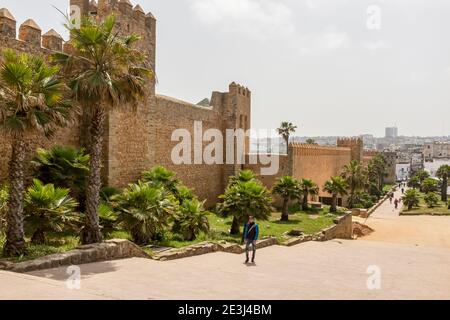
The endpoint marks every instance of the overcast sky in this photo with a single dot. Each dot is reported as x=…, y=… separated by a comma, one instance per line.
x=333, y=67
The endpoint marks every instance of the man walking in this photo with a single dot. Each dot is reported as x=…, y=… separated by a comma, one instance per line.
x=250, y=235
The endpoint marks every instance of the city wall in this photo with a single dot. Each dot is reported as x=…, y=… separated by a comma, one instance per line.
x=135, y=141
x=318, y=163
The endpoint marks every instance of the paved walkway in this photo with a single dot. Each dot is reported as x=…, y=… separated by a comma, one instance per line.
x=331, y=270
x=389, y=226
x=412, y=254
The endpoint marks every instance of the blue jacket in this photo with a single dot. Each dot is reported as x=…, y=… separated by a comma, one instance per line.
x=246, y=232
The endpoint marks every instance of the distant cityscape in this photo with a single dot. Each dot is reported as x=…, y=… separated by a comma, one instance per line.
x=412, y=152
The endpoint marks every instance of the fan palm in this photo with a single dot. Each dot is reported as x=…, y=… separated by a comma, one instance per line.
x=144, y=210
x=65, y=167
x=411, y=198
x=162, y=177
x=242, y=176
x=431, y=199
x=443, y=173
x=287, y=188
x=285, y=130
x=191, y=220
x=245, y=199
x=307, y=188
x=105, y=72
x=429, y=185
x=32, y=100
x=336, y=186
x=48, y=209
x=355, y=175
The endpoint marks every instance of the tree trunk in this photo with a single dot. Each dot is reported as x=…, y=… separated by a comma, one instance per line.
x=333, y=204
x=444, y=196
x=305, y=202
x=15, y=237
x=286, y=139
x=235, y=226
x=91, y=232
x=285, y=210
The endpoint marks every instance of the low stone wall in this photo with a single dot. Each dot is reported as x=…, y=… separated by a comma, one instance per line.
x=209, y=247
x=342, y=230
x=108, y=250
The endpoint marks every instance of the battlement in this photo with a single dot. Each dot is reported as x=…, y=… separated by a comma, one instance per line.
x=238, y=89
x=29, y=33
x=131, y=19
x=347, y=142
x=355, y=144
x=302, y=149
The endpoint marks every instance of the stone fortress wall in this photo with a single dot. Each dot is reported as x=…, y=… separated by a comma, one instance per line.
x=137, y=141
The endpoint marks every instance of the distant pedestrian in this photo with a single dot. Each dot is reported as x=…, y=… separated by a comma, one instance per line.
x=403, y=190
x=396, y=204
x=249, y=237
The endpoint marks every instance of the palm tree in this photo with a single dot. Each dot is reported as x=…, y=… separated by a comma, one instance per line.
x=307, y=188
x=336, y=186
x=48, y=209
x=431, y=199
x=377, y=171
x=414, y=182
x=429, y=185
x=191, y=220
x=144, y=211
x=443, y=173
x=105, y=72
x=411, y=198
x=245, y=199
x=355, y=175
x=65, y=167
x=32, y=100
x=422, y=175
x=287, y=188
x=160, y=176
x=242, y=176
x=285, y=131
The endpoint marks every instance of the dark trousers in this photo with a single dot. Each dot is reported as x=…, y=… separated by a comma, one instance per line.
x=248, y=244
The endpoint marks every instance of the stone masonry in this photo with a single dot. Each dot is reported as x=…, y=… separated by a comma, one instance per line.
x=136, y=140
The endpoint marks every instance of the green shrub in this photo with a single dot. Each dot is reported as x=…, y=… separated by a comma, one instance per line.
x=144, y=210
x=191, y=220
x=411, y=198
x=431, y=199
x=48, y=209
x=64, y=167
x=429, y=185
x=243, y=199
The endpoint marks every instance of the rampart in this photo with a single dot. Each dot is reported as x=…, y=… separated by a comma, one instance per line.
x=135, y=141
x=317, y=163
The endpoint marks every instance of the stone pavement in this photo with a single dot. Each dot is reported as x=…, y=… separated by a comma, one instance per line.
x=412, y=254
x=332, y=270
x=389, y=226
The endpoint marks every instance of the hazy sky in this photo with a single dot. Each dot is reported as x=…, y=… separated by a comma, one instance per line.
x=333, y=67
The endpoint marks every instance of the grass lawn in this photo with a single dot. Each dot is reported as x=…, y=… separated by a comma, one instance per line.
x=441, y=208
x=309, y=222
x=58, y=243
